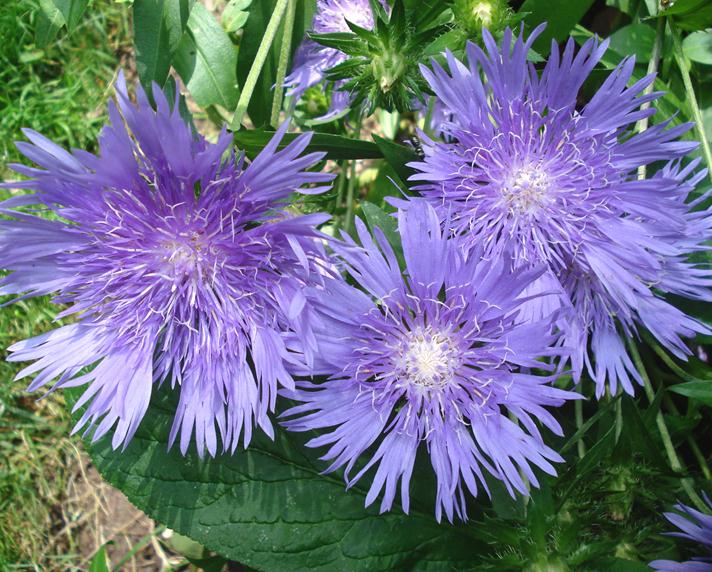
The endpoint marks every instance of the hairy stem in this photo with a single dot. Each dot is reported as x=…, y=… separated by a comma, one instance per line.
x=260, y=58
x=349, y=222
x=578, y=410
x=691, y=97
x=652, y=69
x=284, y=52
x=670, y=451
x=341, y=183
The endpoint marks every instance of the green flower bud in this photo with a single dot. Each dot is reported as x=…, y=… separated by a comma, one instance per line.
x=473, y=15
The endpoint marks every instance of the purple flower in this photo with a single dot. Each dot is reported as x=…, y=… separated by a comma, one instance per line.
x=525, y=173
x=695, y=526
x=312, y=60
x=435, y=359
x=178, y=264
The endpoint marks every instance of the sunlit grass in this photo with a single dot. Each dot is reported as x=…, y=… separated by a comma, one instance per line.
x=60, y=91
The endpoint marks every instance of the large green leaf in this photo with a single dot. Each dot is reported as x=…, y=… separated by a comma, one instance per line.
x=53, y=15
x=49, y=22
x=634, y=39
x=336, y=147
x=72, y=11
x=260, y=107
x=561, y=17
x=206, y=60
x=269, y=507
x=698, y=46
x=158, y=29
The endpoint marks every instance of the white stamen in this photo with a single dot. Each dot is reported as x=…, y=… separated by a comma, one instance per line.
x=184, y=256
x=526, y=190
x=427, y=359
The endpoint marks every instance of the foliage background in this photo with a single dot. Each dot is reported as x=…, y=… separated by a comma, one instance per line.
x=269, y=509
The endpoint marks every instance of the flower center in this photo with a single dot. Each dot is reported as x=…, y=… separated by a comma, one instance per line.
x=427, y=359
x=184, y=255
x=526, y=190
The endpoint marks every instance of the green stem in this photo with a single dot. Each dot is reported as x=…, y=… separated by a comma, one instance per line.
x=652, y=69
x=694, y=447
x=429, y=117
x=349, y=222
x=673, y=459
x=619, y=419
x=260, y=58
x=691, y=98
x=578, y=410
x=284, y=52
x=341, y=185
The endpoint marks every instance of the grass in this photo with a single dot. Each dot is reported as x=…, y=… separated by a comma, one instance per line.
x=60, y=91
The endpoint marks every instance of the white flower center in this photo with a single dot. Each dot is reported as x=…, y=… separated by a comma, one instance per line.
x=527, y=190
x=184, y=256
x=427, y=359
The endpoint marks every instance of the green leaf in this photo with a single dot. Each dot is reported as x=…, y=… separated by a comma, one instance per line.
x=690, y=14
x=99, y=561
x=252, y=141
x=398, y=157
x=206, y=60
x=698, y=390
x=635, y=39
x=270, y=508
x=235, y=15
x=377, y=217
x=561, y=15
x=343, y=41
x=72, y=11
x=698, y=47
x=158, y=29
x=49, y=22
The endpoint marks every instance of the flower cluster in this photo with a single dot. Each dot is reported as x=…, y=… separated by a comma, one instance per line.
x=534, y=243
x=528, y=176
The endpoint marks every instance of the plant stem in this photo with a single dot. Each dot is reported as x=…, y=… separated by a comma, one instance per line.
x=578, y=410
x=694, y=447
x=349, y=222
x=342, y=181
x=652, y=69
x=260, y=58
x=284, y=52
x=429, y=116
x=673, y=459
x=619, y=419
x=691, y=98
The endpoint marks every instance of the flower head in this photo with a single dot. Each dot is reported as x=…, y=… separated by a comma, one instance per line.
x=179, y=265
x=696, y=526
x=434, y=360
x=528, y=174
x=312, y=59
